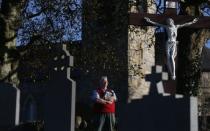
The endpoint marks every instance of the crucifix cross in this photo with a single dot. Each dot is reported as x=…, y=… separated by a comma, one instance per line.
x=167, y=21
x=170, y=12
x=137, y=19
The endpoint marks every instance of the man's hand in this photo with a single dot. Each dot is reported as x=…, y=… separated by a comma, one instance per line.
x=102, y=101
x=109, y=102
x=111, y=99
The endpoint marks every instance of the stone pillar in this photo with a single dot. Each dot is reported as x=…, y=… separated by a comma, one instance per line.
x=141, y=54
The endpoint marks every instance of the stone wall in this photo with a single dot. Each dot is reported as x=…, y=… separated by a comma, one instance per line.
x=204, y=96
x=141, y=55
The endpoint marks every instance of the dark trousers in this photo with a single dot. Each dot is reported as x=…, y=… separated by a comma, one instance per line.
x=104, y=122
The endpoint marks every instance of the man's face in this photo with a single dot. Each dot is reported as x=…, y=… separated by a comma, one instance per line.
x=104, y=83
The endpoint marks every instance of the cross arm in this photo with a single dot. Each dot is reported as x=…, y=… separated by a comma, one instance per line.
x=138, y=20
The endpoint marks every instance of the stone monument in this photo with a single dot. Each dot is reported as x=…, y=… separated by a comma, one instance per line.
x=61, y=92
x=10, y=105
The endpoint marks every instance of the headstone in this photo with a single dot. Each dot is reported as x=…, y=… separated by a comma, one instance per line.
x=60, y=94
x=9, y=105
x=29, y=110
x=160, y=111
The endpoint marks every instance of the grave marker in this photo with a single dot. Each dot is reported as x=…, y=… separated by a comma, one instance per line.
x=61, y=91
x=9, y=105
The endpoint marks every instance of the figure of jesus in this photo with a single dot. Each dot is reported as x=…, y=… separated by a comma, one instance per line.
x=171, y=43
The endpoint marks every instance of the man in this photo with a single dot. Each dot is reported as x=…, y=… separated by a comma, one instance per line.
x=171, y=43
x=104, y=107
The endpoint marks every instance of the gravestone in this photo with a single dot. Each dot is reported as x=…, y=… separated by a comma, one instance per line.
x=159, y=111
x=9, y=105
x=60, y=94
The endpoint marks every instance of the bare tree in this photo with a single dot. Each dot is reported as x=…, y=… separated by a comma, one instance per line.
x=30, y=20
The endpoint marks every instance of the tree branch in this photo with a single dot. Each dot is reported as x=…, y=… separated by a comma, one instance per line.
x=36, y=14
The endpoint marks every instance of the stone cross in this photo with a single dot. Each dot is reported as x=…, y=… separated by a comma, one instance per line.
x=61, y=92
x=156, y=79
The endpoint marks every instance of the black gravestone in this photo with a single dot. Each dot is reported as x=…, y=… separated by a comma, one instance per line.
x=9, y=105
x=159, y=111
x=60, y=97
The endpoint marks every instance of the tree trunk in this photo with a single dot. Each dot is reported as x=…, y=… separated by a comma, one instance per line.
x=190, y=49
x=191, y=42
x=9, y=19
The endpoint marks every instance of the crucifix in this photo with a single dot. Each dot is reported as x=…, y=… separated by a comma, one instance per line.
x=171, y=43
x=143, y=19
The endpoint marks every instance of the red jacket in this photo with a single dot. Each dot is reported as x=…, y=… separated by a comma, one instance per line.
x=104, y=108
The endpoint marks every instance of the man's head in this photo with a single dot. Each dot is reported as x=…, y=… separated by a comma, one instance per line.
x=170, y=21
x=104, y=82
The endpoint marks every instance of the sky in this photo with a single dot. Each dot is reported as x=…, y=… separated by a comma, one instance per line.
x=208, y=44
x=72, y=32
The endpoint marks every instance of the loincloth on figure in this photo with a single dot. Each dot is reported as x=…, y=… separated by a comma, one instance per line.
x=171, y=46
